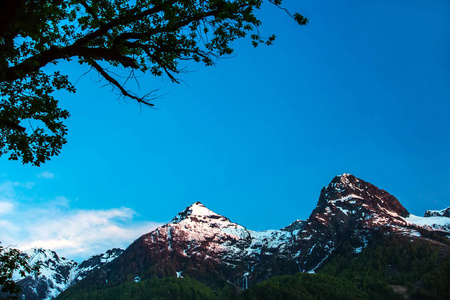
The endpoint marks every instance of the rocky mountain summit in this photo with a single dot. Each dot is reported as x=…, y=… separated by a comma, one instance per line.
x=206, y=246
x=349, y=210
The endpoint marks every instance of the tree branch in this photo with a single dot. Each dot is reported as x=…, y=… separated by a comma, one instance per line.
x=115, y=83
x=89, y=10
x=54, y=53
x=122, y=20
x=38, y=61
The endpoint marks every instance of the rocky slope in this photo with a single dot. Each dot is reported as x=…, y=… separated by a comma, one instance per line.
x=212, y=249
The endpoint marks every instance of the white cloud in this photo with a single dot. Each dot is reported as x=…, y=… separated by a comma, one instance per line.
x=7, y=191
x=82, y=233
x=60, y=201
x=75, y=234
x=6, y=207
x=46, y=174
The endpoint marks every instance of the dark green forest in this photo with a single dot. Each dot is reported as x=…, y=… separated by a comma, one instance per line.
x=299, y=286
x=414, y=266
x=169, y=288
x=304, y=286
x=394, y=261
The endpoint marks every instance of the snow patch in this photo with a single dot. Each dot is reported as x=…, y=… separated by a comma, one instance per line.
x=346, y=198
x=435, y=223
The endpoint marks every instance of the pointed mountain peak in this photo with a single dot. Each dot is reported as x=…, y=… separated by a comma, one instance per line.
x=345, y=178
x=194, y=212
x=346, y=175
x=347, y=188
x=296, y=225
x=41, y=253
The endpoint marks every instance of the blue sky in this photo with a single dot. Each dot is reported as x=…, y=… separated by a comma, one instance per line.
x=363, y=89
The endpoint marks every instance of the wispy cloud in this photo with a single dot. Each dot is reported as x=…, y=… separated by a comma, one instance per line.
x=46, y=174
x=74, y=234
x=6, y=207
x=83, y=232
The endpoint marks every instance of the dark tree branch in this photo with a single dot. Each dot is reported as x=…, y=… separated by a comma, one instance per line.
x=115, y=83
x=54, y=53
x=38, y=61
x=274, y=2
x=89, y=10
x=132, y=16
x=104, y=54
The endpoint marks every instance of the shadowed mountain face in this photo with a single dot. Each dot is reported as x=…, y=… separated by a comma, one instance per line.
x=349, y=210
x=209, y=247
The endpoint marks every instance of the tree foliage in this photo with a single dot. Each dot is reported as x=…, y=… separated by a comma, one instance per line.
x=394, y=260
x=436, y=284
x=304, y=286
x=13, y=261
x=143, y=35
x=169, y=288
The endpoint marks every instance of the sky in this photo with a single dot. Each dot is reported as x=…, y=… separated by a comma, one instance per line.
x=364, y=89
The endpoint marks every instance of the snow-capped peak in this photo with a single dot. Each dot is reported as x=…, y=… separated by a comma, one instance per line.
x=54, y=274
x=41, y=253
x=47, y=257
x=57, y=273
x=196, y=211
x=438, y=213
x=345, y=175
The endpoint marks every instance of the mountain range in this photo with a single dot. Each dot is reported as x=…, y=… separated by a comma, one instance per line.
x=351, y=215
x=58, y=273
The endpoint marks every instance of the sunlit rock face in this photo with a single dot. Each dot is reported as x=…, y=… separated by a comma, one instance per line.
x=348, y=211
x=203, y=245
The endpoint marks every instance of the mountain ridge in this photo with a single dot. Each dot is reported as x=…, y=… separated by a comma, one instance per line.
x=58, y=273
x=212, y=249
x=209, y=247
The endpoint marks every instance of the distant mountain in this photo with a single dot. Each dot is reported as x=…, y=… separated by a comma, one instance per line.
x=198, y=243
x=94, y=262
x=58, y=273
x=351, y=215
x=438, y=213
x=55, y=275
